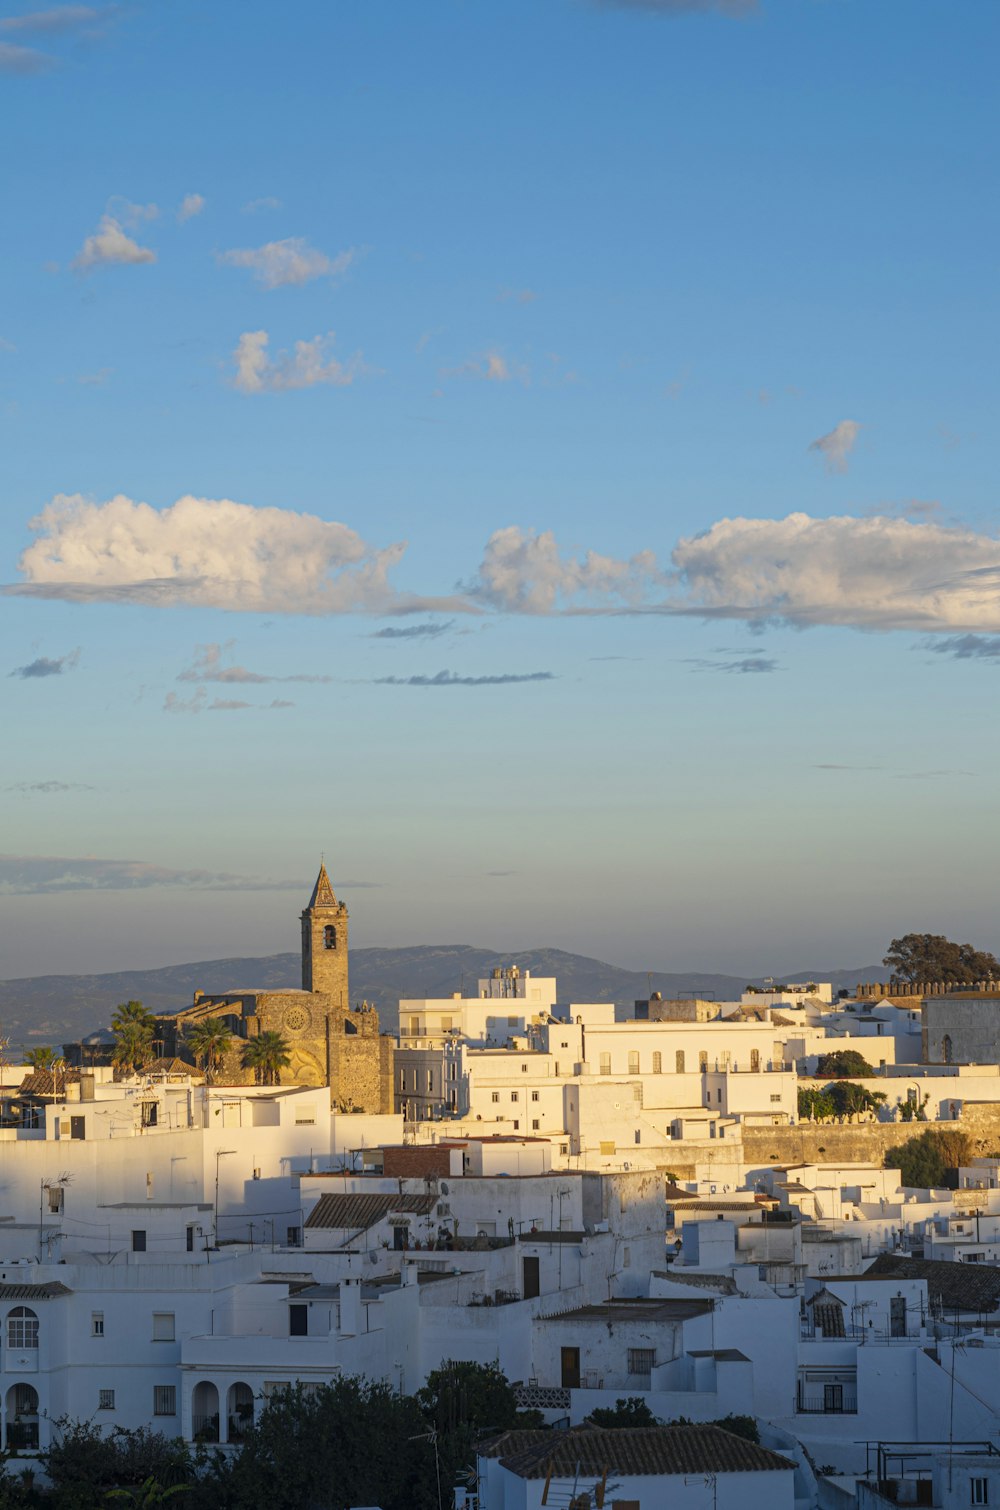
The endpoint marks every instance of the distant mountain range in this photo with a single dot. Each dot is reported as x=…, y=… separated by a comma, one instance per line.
x=55, y=1009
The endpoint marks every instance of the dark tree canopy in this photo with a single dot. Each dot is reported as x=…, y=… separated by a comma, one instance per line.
x=631, y=1412
x=931, y=957
x=842, y=1063
x=924, y=1161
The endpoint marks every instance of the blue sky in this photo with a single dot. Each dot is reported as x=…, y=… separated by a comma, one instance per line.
x=662, y=335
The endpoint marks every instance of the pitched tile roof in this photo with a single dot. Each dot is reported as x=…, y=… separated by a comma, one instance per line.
x=645, y=1450
x=46, y=1083
x=50, y=1290
x=965, y=1287
x=511, y=1443
x=357, y=1213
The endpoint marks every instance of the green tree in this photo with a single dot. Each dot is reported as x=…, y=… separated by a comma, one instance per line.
x=40, y=1059
x=814, y=1106
x=848, y=1098
x=631, y=1412
x=931, y=956
x=842, y=1063
x=267, y=1055
x=463, y=1402
x=133, y=1027
x=925, y=1160
x=209, y=1041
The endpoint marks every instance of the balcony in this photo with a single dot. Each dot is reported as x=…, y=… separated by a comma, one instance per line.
x=828, y=1400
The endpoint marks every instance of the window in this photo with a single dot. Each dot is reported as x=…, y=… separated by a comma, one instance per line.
x=605, y=1064
x=138, y=1241
x=293, y=1237
x=329, y=937
x=163, y=1326
x=189, y=1240
x=657, y=1063
x=305, y=1116
x=453, y=1072
x=640, y=1361
x=298, y=1321
x=534, y=1095
x=703, y=1059
x=22, y=1329
x=777, y=1097
x=150, y=1113
x=633, y=1061
x=718, y=1094
x=495, y=1096
x=515, y=1095
x=535, y=1124
x=978, y=1492
x=164, y=1399
x=515, y=1124
x=105, y=1399
x=638, y=1135
x=97, y=1323
x=679, y=1062
x=402, y=1080
x=430, y=1080
x=55, y=1193
x=524, y=1069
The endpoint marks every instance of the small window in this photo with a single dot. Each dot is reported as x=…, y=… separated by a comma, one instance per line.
x=657, y=1063
x=495, y=1097
x=164, y=1399
x=515, y=1095
x=55, y=1193
x=535, y=1124
x=138, y=1241
x=638, y=1135
x=605, y=1064
x=515, y=1125
x=524, y=1069
x=534, y=1095
x=703, y=1059
x=979, y=1491
x=293, y=1237
x=97, y=1323
x=633, y=1062
x=679, y=1062
x=777, y=1097
x=150, y=1113
x=164, y=1329
x=298, y=1321
x=329, y=937
x=189, y=1240
x=105, y=1399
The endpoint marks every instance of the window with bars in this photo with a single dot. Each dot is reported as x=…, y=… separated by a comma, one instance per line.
x=657, y=1063
x=164, y=1399
x=97, y=1323
x=640, y=1361
x=605, y=1064
x=633, y=1061
x=105, y=1399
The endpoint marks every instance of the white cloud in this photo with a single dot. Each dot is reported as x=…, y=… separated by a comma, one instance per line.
x=190, y=206
x=522, y=572
x=61, y=18
x=130, y=214
x=878, y=573
x=110, y=243
x=292, y=261
x=211, y=553
x=310, y=362
x=490, y=367
x=837, y=446
x=23, y=60
x=267, y=202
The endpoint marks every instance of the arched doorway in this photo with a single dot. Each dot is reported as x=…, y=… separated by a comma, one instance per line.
x=239, y=1411
x=22, y=1418
x=205, y=1412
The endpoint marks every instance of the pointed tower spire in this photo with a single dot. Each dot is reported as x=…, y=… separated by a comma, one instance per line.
x=322, y=893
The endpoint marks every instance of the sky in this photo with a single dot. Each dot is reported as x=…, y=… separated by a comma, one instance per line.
x=536, y=454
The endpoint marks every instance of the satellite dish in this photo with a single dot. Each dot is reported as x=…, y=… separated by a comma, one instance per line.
x=444, y=1188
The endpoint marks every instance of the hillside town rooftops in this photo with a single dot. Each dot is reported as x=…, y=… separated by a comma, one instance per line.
x=962, y=1287
x=357, y=1213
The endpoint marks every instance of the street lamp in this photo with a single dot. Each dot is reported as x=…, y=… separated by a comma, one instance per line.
x=220, y=1153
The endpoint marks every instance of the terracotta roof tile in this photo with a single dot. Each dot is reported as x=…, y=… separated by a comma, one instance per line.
x=640, y=1451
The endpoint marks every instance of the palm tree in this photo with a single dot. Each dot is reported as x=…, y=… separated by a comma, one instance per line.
x=133, y=1026
x=209, y=1041
x=40, y=1059
x=267, y=1055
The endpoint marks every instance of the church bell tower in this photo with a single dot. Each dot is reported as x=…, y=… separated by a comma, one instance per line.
x=324, y=943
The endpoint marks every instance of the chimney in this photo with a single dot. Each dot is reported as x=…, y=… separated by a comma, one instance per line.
x=350, y=1308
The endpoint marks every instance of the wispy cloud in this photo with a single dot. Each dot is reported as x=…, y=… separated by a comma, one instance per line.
x=59, y=19
x=967, y=647
x=209, y=666
x=190, y=206
x=745, y=665
x=293, y=261
x=95, y=379
x=210, y=553
x=49, y=788
x=489, y=367
x=414, y=631
x=516, y=296
x=23, y=61
x=110, y=244
x=39, y=875
x=310, y=363
x=452, y=679
x=266, y=202
x=45, y=666
x=836, y=447
x=199, y=703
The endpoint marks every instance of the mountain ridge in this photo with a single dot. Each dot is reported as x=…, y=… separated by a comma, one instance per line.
x=63, y=1008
